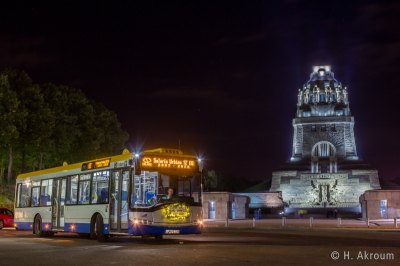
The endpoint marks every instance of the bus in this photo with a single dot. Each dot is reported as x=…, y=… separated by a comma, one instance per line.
x=152, y=193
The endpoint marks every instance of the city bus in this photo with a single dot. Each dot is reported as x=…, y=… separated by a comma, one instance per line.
x=143, y=194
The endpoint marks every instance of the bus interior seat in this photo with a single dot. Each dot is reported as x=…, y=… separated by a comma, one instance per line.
x=104, y=195
x=44, y=199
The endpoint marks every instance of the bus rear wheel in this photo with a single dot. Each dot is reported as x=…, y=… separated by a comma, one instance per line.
x=38, y=227
x=101, y=237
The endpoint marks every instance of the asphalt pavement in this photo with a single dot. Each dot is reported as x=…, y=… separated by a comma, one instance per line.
x=216, y=246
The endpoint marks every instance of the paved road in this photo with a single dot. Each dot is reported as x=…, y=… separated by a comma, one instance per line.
x=320, y=223
x=217, y=246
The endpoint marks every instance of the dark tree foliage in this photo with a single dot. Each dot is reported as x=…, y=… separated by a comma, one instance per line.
x=44, y=125
x=216, y=181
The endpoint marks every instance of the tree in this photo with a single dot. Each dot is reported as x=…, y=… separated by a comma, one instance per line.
x=212, y=179
x=84, y=129
x=43, y=126
x=114, y=137
x=12, y=120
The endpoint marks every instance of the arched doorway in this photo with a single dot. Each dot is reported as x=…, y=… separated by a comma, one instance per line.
x=323, y=149
x=323, y=158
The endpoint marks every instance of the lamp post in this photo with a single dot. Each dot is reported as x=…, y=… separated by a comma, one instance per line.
x=201, y=181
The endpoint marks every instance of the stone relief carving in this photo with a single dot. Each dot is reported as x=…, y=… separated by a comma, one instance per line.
x=324, y=194
x=317, y=190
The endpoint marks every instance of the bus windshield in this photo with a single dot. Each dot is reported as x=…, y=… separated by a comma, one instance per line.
x=151, y=188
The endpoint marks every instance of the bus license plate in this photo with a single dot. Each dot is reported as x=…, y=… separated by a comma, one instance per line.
x=172, y=231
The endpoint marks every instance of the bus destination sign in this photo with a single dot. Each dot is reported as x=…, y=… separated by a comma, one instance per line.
x=169, y=163
x=96, y=164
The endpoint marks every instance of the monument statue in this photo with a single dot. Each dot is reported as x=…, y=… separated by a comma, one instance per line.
x=345, y=93
x=306, y=94
x=316, y=94
x=337, y=91
x=328, y=93
x=299, y=98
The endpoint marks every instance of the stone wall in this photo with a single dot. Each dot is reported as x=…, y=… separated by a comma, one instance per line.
x=264, y=199
x=276, y=179
x=372, y=201
x=342, y=137
x=241, y=206
x=372, y=175
x=335, y=137
x=223, y=205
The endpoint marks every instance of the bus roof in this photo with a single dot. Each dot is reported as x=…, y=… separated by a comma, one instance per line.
x=126, y=155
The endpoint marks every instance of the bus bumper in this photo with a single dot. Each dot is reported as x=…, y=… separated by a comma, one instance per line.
x=140, y=229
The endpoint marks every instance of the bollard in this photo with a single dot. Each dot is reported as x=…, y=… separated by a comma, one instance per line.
x=311, y=222
x=283, y=221
x=395, y=222
x=367, y=222
x=254, y=222
x=339, y=222
x=226, y=222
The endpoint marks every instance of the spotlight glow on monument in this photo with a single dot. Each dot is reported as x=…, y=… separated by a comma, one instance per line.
x=324, y=170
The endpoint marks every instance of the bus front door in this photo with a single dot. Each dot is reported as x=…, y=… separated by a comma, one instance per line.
x=119, y=201
x=58, y=204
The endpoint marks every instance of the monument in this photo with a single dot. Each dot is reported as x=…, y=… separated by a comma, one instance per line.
x=324, y=170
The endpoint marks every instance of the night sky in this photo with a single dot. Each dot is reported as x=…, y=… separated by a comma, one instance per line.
x=221, y=77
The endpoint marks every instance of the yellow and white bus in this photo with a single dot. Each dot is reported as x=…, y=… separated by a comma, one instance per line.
x=118, y=195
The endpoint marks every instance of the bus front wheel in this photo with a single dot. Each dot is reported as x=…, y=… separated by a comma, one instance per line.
x=38, y=227
x=101, y=237
x=93, y=234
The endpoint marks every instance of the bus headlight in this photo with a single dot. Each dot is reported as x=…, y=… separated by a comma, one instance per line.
x=142, y=221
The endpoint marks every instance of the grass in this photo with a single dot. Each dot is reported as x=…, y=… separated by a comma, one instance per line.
x=6, y=193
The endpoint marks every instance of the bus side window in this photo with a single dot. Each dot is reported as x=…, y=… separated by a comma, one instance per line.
x=26, y=195
x=35, y=196
x=72, y=194
x=100, y=187
x=35, y=193
x=46, y=192
x=84, y=189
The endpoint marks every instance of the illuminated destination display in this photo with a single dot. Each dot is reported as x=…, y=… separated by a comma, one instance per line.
x=177, y=211
x=96, y=164
x=157, y=162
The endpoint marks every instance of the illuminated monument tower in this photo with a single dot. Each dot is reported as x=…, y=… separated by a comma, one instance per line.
x=324, y=170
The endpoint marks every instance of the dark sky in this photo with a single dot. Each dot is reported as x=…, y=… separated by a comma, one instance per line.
x=221, y=77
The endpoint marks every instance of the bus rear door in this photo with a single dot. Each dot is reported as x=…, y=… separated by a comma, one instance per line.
x=119, y=191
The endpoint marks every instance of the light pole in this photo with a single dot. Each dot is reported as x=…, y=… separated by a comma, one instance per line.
x=201, y=181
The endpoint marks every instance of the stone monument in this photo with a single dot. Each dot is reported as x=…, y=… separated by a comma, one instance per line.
x=324, y=170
